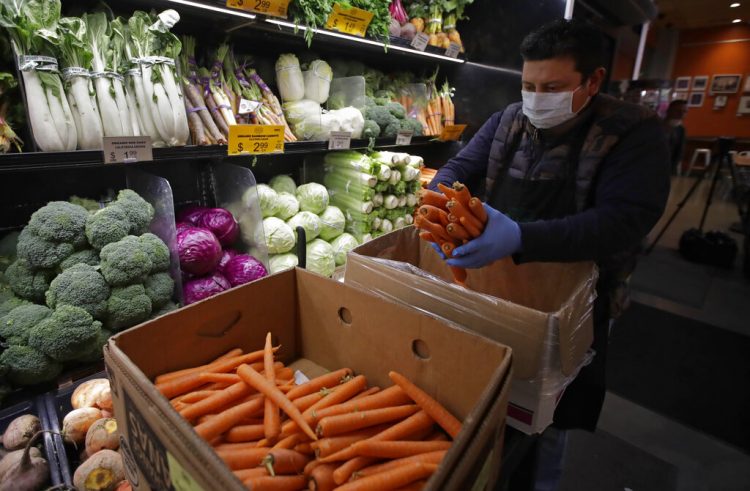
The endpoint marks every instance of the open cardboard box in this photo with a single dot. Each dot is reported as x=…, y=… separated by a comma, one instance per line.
x=543, y=311
x=321, y=325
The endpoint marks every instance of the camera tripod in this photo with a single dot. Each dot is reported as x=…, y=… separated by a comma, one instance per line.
x=717, y=163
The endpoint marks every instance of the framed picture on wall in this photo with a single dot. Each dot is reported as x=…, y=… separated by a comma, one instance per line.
x=746, y=87
x=682, y=83
x=680, y=96
x=725, y=84
x=720, y=101
x=700, y=82
x=744, y=107
x=696, y=99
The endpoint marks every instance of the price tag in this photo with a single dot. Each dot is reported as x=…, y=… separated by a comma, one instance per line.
x=453, y=50
x=255, y=139
x=340, y=140
x=127, y=149
x=247, y=107
x=452, y=132
x=404, y=137
x=351, y=20
x=420, y=41
x=275, y=8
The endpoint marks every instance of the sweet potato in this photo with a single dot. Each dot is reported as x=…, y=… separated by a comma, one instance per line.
x=77, y=423
x=103, y=471
x=20, y=431
x=102, y=435
x=24, y=470
x=92, y=393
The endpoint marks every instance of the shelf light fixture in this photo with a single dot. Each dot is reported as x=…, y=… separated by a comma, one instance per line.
x=734, y=5
x=215, y=8
x=736, y=21
x=364, y=41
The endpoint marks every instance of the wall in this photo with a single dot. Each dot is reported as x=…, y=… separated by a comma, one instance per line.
x=700, y=53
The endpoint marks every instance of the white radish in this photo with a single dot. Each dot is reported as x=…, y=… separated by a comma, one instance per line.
x=42, y=121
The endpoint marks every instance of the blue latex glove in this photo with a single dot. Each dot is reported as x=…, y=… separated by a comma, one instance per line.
x=438, y=250
x=501, y=238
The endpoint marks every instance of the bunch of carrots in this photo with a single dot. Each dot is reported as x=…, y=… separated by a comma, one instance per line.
x=450, y=219
x=426, y=175
x=333, y=432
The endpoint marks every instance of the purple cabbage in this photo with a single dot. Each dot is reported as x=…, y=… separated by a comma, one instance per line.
x=244, y=268
x=226, y=256
x=200, y=288
x=222, y=224
x=192, y=214
x=182, y=226
x=199, y=250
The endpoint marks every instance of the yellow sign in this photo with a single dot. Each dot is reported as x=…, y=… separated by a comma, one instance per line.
x=255, y=139
x=352, y=20
x=181, y=480
x=275, y=8
x=452, y=132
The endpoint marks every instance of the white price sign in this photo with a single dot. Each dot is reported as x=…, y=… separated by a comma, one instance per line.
x=340, y=140
x=404, y=137
x=127, y=149
x=453, y=50
x=420, y=41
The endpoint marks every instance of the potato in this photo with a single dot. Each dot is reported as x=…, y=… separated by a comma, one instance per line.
x=20, y=431
x=19, y=474
x=103, y=471
x=102, y=434
x=77, y=423
x=90, y=393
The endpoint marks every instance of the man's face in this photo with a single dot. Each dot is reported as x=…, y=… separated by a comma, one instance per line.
x=560, y=75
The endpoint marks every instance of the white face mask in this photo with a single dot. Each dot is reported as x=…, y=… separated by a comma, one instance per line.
x=549, y=109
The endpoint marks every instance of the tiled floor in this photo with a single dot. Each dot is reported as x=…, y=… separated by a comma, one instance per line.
x=720, y=298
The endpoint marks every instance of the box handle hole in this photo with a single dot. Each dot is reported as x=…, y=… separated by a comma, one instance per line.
x=345, y=315
x=420, y=349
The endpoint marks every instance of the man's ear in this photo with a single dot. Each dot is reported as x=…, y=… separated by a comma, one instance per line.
x=596, y=80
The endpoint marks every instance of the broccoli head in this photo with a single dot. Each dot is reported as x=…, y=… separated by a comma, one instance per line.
x=396, y=109
x=66, y=335
x=107, y=225
x=159, y=288
x=371, y=129
x=127, y=306
x=95, y=351
x=26, y=282
x=157, y=251
x=11, y=303
x=80, y=285
x=89, y=204
x=138, y=210
x=392, y=129
x=60, y=221
x=85, y=256
x=125, y=262
x=381, y=115
x=165, y=309
x=8, y=245
x=27, y=366
x=369, y=102
x=411, y=124
x=41, y=253
x=382, y=101
x=16, y=324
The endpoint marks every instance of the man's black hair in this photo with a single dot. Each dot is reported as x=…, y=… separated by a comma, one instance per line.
x=566, y=38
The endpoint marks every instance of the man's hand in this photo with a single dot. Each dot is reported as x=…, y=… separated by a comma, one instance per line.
x=501, y=238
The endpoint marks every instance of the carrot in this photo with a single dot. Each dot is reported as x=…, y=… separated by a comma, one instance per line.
x=437, y=436
x=328, y=446
x=428, y=197
x=219, y=366
x=171, y=375
x=324, y=381
x=284, y=461
x=448, y=248
x=462, y=193
x=457, y=231
x=285, y=373
x=235, y=446
x=392, y=479
x=243, y=458
x=304, y=402
x=253, y=378
x=427, y=236
x=244, y=474
x=415, y=486
x=365, y=393
x=220, y=377
x=245, y=433
x=473, y=231
x=275, y=483
x=229, y=354
x=216, y=401
x=344, y=472
x=392, y=396
x=311, y=466
x=434, y=409
x=461, y=211
x=436, y=229
x=426, y=458
x=459, y=275
x=430, y=212
x=448, y=191
x=304, y=448
x=228, y=419
x=196, y=396
x=321, y=478
x=397, y=449
x=290, y=441
x=344, y=423
x=453, y=218
x=475, y=206
x=443, y=216
x=271, y=418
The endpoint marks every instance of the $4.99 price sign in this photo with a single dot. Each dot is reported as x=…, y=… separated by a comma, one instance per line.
x=352, y=20
x=275, y=8
x=255, y=139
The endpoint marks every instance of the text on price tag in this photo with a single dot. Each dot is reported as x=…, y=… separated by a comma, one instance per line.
x=340, y=140
x=452, y=132
x=352, y=20
x=453, y=50
x=404, y=137
x=420, y=41
x=275, y=8
x=247, y=107
x=127, y=149
x=255, y=139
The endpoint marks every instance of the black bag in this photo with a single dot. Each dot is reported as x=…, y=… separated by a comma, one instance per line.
x=714, y=248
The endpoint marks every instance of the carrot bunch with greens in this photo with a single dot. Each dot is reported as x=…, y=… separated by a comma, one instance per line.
x=332, y=432
x=450, y=219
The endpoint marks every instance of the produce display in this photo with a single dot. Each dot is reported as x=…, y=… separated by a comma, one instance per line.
x=23, y=466
x=8, y=114
x=205, y=237
x=313, y=14
x=117, y=76
x=72, y=278
x=436, y=18
x=332, y=432
x=450, y=219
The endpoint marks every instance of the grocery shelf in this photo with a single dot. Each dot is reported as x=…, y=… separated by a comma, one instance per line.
x=15, y=162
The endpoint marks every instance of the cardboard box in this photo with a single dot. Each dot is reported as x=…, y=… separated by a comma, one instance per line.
x=543, y=311
x=321, y=325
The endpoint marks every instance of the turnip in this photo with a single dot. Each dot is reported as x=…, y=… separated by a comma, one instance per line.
x=102, y=435
x=92, y=393
x=24, y=470
x=408, y=31
x=394, y=29
x=77, y=423
x=102, y=471
x=20, y=431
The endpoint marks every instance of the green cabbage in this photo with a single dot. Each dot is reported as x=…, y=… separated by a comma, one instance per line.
x=268, y=199
x=283, y=184
x=287, y=206
x=332, y=223
x=320, y=258
x=341, y=246
x=280, y=237
x=281, y=262
x=313, y=197
x=307, y=220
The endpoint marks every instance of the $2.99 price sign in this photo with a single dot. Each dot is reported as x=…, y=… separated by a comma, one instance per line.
x=275, y=8
x=352, y=20
x=255, y=139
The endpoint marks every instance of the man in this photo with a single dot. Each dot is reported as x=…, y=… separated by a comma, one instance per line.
x=675, y=133
x=570, y=175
